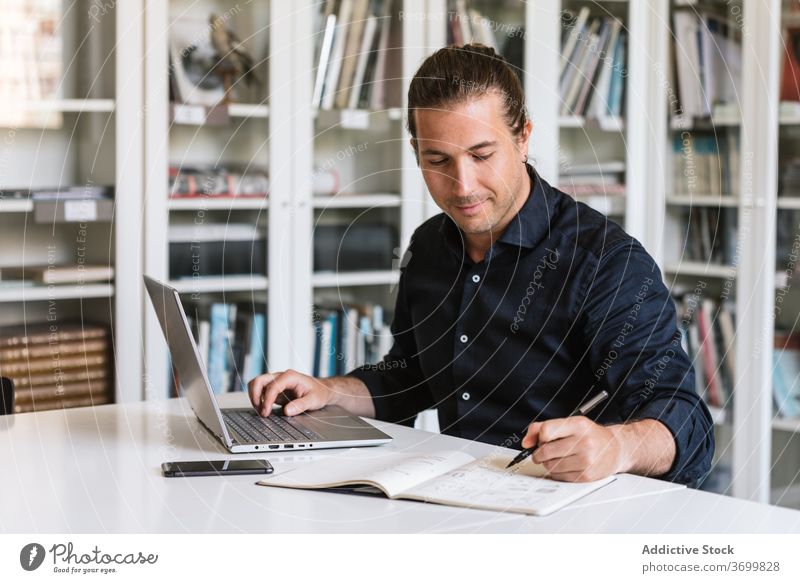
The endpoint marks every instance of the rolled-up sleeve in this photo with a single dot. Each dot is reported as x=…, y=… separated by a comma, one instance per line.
x=397, y=385
x=634, y=347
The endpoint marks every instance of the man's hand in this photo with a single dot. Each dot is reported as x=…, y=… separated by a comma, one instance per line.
x=298, y=392
x=576, y=449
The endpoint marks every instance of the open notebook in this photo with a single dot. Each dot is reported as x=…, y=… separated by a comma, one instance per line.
x=453, y=478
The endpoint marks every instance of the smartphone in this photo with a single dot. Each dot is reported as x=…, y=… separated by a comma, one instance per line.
x=215, y=468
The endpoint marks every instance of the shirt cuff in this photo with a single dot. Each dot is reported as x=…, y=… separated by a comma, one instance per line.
x=683, y=420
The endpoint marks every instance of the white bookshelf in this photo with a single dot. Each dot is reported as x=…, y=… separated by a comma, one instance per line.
x=99, y=142
x=293, y=134
x=381, y=179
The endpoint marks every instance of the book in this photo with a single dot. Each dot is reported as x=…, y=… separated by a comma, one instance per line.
x=17, y=335
x=324, y=56
x=451, y=478
x=42, y=365
x=25, y=352
x=686, y=28
x=337, y=54
x=355, y=33
x=570, y=38
x=363, y=58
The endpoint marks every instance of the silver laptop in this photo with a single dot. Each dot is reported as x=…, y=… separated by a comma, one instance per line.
x=244, y=430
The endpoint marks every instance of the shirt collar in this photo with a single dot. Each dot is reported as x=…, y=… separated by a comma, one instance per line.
x=528, y=227
x=532, y=223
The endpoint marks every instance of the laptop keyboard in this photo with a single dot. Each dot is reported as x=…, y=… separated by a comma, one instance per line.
x=255, y=428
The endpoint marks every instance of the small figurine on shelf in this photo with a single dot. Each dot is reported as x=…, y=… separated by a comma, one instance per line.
x=233, y=61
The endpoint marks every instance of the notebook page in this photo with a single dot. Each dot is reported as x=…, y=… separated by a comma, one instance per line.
x=487, y=484
x=393, y=471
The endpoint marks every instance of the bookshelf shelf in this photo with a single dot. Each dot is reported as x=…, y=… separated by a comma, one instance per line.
x=786, y=424
x=36, y=293
x=712, y=200
x=786, y=203
x=700, y=269
x=16, y=206
x=355, y=119
x=221, y=203
x=610, y=124
x=357, y=201
x=571, y=121
x=608, y=205
x=75, y=105
x=355, y=279
x=789, y=115
x=248, y=110
x=231, y=283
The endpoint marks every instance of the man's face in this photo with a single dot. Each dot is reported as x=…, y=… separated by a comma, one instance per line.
x=473, y=164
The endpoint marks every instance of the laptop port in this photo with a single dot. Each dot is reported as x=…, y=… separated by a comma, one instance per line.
x=288, y=446
x=274, y=446
x=300, y=445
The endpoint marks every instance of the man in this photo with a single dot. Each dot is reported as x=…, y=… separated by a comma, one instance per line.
x=517, y=304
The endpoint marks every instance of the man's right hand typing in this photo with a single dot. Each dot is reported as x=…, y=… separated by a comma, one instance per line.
x=298, y=392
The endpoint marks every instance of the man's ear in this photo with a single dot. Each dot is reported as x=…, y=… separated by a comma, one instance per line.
x=524, y=137
x=413, y=142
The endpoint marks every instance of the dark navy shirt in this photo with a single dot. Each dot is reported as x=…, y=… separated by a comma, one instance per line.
x=563, y=305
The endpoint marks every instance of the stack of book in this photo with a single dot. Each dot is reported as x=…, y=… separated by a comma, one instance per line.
x=467, y=25
x=707, y=53
x=56, y=366
x=602, y=179
x=706, y=163
x=593, y=66
x=232, y=340
x=789, y=180
x=218, y=182
x=707, y=334
x=711, y=235
x=349, y=336
x=356, y=58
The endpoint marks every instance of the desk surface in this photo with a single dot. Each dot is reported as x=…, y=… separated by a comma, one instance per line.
x=98, y=470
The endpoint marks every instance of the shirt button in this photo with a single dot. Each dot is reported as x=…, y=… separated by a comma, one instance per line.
x=476, y=278
x=464, y=338
x=465, y=396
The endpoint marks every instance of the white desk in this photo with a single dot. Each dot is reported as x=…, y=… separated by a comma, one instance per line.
x=98, y=470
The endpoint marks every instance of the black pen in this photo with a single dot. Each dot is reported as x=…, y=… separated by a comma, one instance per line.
x=581, y=410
